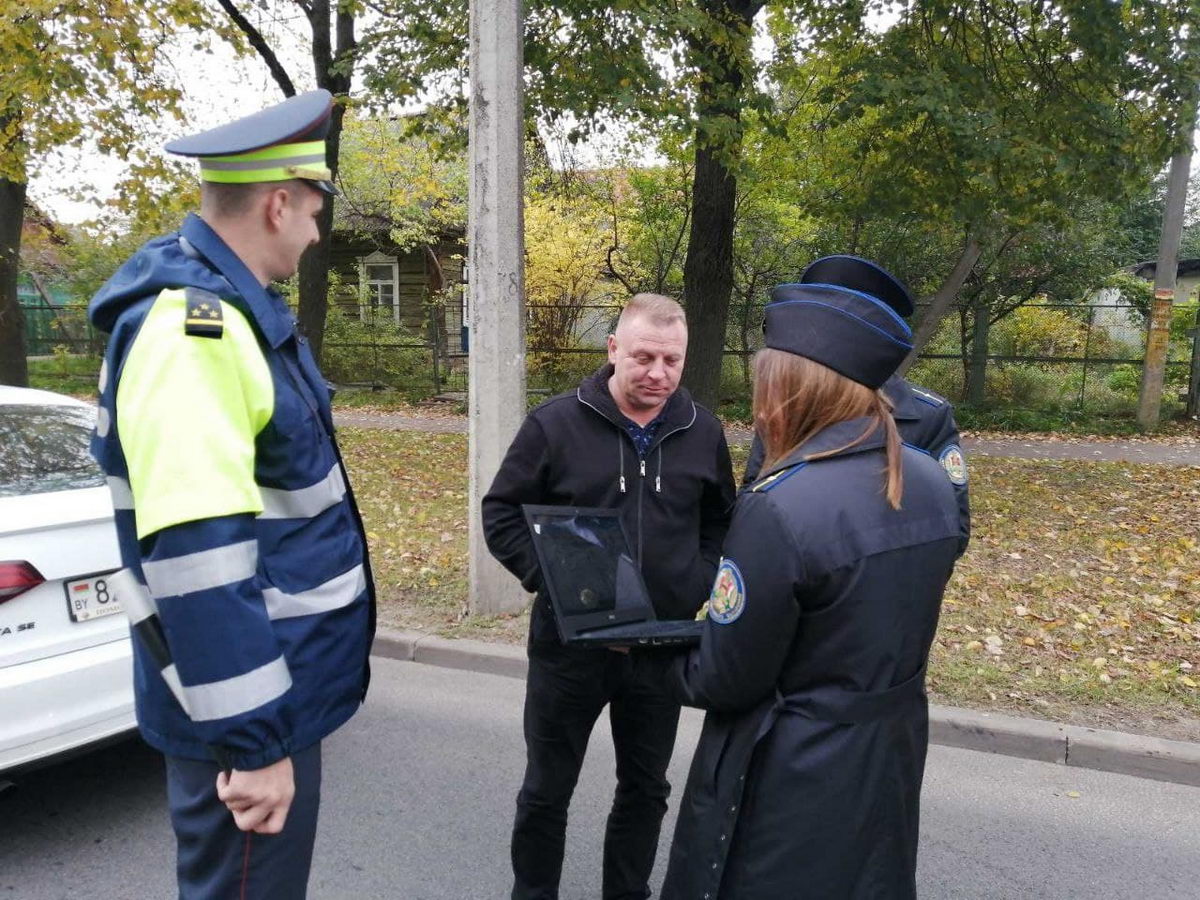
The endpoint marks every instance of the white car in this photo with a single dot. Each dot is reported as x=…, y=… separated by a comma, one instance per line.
x=65, y=668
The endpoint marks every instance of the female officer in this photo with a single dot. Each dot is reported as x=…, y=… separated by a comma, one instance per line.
x=807, y=778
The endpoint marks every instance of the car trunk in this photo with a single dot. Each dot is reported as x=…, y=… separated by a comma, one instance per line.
x=64, y=535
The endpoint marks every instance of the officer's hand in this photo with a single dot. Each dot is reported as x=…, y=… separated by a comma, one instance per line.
x=259, y=799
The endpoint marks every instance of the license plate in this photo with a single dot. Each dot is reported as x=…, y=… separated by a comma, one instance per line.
x=92, y=597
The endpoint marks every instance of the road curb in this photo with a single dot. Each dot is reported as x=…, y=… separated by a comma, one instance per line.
x=1037, y=739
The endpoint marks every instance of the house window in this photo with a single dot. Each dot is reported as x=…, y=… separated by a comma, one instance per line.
x=379, y=276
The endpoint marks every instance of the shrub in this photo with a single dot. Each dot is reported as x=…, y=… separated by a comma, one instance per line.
x=375, y=351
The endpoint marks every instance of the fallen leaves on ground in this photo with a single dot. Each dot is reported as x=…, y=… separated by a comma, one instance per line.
x=1079, y=598
x=1081, y=586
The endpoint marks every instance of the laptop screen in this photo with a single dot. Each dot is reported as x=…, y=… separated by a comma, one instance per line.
x=585, y=557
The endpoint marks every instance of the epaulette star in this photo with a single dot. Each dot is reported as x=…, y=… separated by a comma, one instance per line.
x=203, y=318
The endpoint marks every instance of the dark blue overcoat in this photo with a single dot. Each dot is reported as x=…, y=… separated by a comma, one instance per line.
x=807, y=777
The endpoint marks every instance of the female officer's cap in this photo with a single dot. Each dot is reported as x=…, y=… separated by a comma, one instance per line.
x=852, y=331
x=860, y=274
x=282, y=142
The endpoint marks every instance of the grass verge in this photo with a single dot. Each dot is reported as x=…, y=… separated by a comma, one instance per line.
x=1079, y=599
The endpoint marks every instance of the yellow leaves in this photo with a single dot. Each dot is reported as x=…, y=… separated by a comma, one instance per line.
x=86, y=68
x=1091, y=609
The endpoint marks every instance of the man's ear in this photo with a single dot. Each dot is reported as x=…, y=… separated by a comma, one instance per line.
x=612, y=348
x=275, y=207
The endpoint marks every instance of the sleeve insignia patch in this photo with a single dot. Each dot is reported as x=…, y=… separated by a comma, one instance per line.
x=204, y=318
x=955, y=464
x=728, y=597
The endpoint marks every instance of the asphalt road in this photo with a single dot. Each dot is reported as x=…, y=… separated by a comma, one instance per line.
x=419, y=795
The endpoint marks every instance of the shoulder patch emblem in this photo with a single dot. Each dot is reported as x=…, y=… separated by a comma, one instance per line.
x=955, y=464
x=728, y=597
x=204, y=317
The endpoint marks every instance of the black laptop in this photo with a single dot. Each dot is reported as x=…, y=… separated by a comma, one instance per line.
x=595, y=587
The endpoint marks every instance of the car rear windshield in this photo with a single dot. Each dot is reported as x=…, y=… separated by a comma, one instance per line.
x=45, y=448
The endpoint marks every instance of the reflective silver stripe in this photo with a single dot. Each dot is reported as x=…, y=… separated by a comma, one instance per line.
x=256, y=164
x=136, y=601
x=237, y=695
x=304, y=503
x=102, y=381
x=333, y=594
x=122, y=496
x=102, y=422
x=171, y=676
x=203, y=570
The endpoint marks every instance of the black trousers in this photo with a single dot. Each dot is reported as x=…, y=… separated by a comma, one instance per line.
x=216, y=861
x=567, y=689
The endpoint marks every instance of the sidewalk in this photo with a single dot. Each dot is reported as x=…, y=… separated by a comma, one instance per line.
x=1030, y=447
x=1037, y=739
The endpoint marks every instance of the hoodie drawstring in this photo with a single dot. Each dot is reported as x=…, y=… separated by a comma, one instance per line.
x=658, y=477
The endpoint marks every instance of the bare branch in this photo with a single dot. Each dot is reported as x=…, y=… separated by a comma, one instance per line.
x=259, y=43
x=612, y=270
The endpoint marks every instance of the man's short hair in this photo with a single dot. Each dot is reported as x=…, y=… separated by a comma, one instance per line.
x=230, y=200
x=660, y=310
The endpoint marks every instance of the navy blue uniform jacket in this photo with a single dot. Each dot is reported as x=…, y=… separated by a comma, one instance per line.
x=926, y=422
x=807, y=776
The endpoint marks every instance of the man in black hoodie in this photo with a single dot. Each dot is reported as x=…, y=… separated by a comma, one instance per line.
x=628, y=438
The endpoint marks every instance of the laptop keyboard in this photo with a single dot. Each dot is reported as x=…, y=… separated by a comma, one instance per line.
x=645, y=629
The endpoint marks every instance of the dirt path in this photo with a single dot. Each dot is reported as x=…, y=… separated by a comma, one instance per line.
x=1024, y=447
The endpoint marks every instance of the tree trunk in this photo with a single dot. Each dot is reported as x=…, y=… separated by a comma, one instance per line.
x=942, y=301
x=13, y=367
x=314, y=265
x=977, y=373
x=708, y=269
x=708, y=275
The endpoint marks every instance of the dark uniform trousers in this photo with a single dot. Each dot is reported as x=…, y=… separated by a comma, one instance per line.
x=567, y=690
x=216, y=861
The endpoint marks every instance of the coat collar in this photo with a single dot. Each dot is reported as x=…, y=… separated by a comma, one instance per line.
x=264, y=305
x=904, y=404
x=678, y=412
x=836, y=435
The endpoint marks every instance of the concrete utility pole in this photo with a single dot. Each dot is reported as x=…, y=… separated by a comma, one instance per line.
x=495, y=234
x=1158, y=335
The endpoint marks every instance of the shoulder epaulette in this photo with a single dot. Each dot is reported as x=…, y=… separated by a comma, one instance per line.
x=204, y=317
x=927, y=397
x=776, y=478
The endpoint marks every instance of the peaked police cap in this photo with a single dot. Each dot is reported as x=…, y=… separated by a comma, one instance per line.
x=282, y=142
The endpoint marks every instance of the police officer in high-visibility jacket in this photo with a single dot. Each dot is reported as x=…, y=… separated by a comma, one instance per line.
x=806, y=781
x=925, y=420
x=241, y=538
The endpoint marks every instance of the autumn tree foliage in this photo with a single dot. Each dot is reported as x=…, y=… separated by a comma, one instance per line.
x=74, y=72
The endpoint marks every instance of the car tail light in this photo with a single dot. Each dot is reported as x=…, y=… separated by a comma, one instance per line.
x=16, y=578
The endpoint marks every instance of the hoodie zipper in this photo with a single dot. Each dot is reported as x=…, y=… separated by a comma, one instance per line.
x=657, y=445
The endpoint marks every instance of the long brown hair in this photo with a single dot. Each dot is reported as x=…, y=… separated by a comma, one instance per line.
x=795, y=397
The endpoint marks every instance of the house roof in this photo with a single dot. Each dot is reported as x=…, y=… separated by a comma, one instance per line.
x=36, y=217
x=1185, y=269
